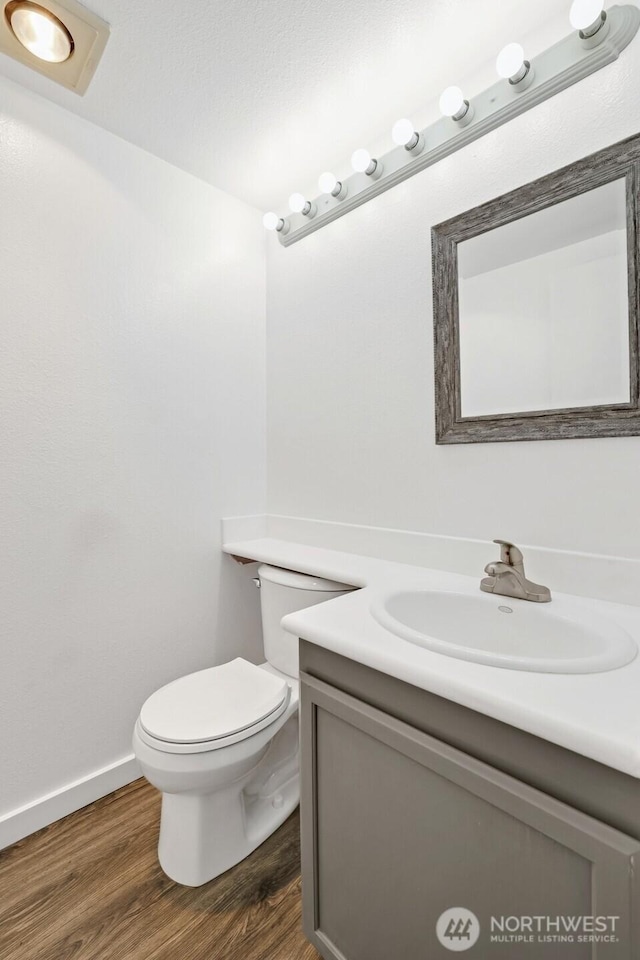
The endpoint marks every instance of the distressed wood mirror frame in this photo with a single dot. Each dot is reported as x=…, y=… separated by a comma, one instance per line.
x=619, y=420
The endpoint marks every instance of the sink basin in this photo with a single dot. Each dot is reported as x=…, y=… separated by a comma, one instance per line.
x=558, y=637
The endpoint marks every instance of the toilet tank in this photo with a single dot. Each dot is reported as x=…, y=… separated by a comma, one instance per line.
x=282, y=592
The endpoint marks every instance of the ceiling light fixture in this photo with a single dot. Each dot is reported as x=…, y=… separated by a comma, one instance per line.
x=363, y=162
x=405, y=135
x=39, y=31
x=453, y=104
x=59, y=39
x=587, y=16
x=511, y=64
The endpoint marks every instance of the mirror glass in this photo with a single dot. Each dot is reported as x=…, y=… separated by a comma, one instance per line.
x=544, y=309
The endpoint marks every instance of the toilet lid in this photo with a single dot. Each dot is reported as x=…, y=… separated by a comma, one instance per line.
x=213, y=703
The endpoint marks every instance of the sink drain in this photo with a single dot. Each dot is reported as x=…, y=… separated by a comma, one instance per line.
x=505, y=609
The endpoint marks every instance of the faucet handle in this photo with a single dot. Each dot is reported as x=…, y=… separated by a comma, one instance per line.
x=509, y=553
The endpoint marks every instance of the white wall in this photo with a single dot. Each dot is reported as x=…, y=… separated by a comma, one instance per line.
x=132, y=396
x=350, y=359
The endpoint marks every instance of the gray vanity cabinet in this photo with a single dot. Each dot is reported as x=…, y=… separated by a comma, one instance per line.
x=400, y=826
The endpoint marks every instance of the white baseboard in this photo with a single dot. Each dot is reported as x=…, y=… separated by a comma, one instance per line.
x=40, y=813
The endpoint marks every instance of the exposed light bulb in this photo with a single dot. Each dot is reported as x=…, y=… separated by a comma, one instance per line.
x=453, y=103
x=297, y=203
x=586, y=14
x=403, y=133
x=363, y=162
x=271, y=221
x=40, y=32
x=511, y=64
x=328, y=183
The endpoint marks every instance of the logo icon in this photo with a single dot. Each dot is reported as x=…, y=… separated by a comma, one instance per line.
x=458, y=929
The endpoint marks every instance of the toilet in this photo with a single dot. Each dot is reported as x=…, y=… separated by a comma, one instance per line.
x=222, y=744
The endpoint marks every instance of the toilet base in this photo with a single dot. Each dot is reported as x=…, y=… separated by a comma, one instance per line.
x=204, y=834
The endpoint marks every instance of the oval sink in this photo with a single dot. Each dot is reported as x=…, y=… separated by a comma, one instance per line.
x=515, y=634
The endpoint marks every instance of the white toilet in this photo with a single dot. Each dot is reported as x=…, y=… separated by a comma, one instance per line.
x=222, y=744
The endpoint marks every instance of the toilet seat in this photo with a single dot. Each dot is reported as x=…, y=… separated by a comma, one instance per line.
x=213, y=708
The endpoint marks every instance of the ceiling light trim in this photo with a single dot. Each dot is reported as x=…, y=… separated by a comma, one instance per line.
x=88, y=33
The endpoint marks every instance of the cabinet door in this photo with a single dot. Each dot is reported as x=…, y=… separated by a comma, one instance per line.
x=398, y=828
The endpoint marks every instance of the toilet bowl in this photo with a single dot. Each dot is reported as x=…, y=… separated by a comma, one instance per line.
x=222, y=744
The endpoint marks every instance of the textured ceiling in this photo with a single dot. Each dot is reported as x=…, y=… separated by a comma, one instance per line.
x=259, y=96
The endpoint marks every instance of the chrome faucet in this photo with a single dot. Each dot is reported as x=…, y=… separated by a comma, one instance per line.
x=506, y=577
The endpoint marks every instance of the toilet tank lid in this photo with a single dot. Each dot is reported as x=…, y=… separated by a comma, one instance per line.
x=300, y=581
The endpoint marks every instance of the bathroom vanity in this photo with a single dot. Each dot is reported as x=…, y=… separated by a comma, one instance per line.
x=412, y=804
x=467, y=755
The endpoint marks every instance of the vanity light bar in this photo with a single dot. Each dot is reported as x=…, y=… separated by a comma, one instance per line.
x=577, y=56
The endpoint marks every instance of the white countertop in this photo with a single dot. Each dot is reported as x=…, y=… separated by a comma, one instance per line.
x=597, y=714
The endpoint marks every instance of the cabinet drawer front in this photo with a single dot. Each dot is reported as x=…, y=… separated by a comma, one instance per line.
x=398, y=827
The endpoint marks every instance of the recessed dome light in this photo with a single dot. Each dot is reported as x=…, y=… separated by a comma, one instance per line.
x=39, y=31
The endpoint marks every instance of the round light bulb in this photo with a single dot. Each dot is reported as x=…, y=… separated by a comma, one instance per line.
x=452, y=101
x=327, y=182
x=584, y=13
x=510, y=61
x=271, y=221
x=361, y=160
x=297, y=203
x=39, y=31
x=403, y=132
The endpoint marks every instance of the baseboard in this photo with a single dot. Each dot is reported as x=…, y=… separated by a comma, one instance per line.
x=40, y=813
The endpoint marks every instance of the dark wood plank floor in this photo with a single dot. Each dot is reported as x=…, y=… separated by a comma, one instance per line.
x=90, y=888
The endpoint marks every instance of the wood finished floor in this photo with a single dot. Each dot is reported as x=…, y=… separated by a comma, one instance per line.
x=90, y=888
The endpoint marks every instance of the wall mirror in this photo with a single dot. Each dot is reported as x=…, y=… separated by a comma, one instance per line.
x=536, y=300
